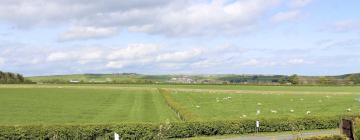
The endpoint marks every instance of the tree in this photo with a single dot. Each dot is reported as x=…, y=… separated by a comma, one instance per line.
x=355, y=78
x=294, y=79
x=283, y=80
x=326, y=81
x=12, y=78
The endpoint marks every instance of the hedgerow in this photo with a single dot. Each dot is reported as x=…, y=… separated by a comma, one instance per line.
x=357, y=128
x=163, y=130
x=182, y=112
x=326, y=137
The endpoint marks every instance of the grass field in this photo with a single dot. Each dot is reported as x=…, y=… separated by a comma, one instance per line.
x=219, y=106
x=81, y=105
x=78, y=104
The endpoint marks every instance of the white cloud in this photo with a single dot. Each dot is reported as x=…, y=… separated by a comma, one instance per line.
x=58, y=56
x=251, y=62
x=134, y=51
x=178, y=56
x=97, y=19
x=116, y=64
x=296, y=61
x=206, y=63
x=89, y=32
x=270, y=62
x=89, y=56
x=24, y=13
x=286, y=16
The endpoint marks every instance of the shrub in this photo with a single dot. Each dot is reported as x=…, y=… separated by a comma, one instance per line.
x=357, y=128
x=162, y=131
x=182, y=112
x=326, y=137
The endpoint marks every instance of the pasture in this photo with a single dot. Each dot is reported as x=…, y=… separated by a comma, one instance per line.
x=94, y=104
x=59, y=105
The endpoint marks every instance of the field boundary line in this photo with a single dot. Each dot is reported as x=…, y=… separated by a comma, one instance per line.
x=256, y=91
x=182, y=113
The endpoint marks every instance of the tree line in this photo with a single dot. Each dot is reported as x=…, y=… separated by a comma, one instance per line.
x=348, y=79
x=12, y=78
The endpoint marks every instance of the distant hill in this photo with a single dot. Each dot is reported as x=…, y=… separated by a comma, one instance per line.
x=130, y=78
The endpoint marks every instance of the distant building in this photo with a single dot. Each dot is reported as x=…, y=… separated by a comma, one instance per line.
x=74, y=81
x=183, y=79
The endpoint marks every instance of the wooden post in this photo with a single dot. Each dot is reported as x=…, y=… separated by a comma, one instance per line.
x=347, y=128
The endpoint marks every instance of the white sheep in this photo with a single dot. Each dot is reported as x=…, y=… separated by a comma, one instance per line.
x=257, y=112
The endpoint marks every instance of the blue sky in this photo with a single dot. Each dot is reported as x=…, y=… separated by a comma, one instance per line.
x=307, y=37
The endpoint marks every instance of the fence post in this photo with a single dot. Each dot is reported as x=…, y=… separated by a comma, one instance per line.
x=347, y=128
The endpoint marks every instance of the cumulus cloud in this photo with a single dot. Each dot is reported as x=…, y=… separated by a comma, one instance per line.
x=134, y=51
x=286, y=16
x=58, y=56
x=23, y=13
x=89, y=32
x=97, y=19
x=178, y=56
x=296, y=61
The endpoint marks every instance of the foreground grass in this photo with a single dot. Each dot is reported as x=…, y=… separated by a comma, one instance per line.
x=69, y=105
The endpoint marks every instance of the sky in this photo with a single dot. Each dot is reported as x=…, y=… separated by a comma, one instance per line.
x=306, y=37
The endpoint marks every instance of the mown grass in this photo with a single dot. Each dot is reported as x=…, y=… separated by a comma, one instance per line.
x=219, y=106
x=81, y=105
x=78, y=104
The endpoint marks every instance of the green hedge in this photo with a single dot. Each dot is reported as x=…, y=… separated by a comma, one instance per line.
x=162, y=131
x=182, y=112
x=357, y=128
x=326, y=137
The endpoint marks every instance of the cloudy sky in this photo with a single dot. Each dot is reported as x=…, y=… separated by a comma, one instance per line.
x=308, y=37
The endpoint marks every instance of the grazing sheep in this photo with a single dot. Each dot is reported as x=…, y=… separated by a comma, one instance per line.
x=257, y=112
x=349, y=109
x=308, y=112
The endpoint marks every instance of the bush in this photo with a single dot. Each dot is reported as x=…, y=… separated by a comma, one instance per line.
x=163, y=130
x=357, y=128
x=327, y=137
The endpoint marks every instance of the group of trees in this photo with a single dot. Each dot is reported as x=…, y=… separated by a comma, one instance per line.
x=12, y=78
x=349, y=79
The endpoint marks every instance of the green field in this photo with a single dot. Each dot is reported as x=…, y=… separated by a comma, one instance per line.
x=79, y=104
